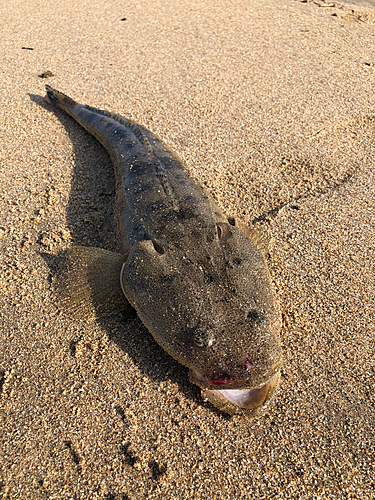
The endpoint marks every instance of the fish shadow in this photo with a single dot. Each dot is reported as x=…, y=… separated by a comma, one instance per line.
x=91, y=220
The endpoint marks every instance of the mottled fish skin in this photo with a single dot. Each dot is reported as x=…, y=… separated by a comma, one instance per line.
x=197, y=279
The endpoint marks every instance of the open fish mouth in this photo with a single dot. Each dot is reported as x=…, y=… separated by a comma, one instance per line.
x=249, y=401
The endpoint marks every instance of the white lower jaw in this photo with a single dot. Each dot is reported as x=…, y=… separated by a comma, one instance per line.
x=246, y=399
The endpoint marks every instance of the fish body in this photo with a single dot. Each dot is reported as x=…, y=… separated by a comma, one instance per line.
x=197, y=279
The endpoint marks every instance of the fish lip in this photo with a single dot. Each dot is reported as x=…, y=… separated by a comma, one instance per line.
x=224, y=380
x=206, y=383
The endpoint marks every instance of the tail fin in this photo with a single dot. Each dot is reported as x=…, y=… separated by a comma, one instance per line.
x=58, y=99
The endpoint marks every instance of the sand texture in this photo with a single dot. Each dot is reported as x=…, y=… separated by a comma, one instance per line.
x=271, y=105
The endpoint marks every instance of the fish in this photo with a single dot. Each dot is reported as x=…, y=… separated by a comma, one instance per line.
x=197, y=278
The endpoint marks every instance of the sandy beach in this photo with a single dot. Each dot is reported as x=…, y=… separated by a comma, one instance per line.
x=271, y=105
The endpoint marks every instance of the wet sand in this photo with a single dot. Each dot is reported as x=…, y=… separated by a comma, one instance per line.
x=271, y=105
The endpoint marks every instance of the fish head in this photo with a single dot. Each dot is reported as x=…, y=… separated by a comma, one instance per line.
x=212, y=308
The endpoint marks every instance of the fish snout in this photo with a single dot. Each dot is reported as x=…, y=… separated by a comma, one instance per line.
x=250, y=401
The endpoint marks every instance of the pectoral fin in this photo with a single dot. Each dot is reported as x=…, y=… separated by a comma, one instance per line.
x=88, y=283
x=259, y=237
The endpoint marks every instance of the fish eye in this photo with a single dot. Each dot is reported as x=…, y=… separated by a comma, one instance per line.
x=158, y=248
x=202, y=340
x=198, y=341
x=223, y=231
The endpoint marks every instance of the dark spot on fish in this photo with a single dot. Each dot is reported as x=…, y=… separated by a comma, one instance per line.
x=256, y=319
x=208, y=278
x=159, y=248
x=169, y=278
x=186, y=213
x=252, y=315
x=294, y=207
x=210, y=237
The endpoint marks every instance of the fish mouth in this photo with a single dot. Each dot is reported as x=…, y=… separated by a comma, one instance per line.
x=222, y=379
x=251, y=400
x=247, y=399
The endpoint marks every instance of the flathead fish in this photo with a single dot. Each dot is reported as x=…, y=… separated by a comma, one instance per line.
x=197, y=279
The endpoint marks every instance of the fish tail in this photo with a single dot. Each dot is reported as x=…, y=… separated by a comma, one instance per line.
x=59, y=99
